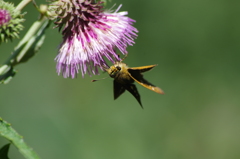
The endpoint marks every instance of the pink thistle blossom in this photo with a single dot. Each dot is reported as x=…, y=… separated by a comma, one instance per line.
x=89, y=36
x=4, y=17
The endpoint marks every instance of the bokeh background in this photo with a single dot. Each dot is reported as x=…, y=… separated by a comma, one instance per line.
x=196, y=45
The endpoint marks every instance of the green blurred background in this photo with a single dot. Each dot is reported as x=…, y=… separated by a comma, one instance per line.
x=196, y=45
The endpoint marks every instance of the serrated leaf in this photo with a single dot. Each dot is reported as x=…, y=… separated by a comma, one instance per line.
x=4, y=151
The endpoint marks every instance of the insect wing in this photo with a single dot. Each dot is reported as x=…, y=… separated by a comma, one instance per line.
x=118, y=89
x=133, y=90
x=135, y=73
x=142, y=69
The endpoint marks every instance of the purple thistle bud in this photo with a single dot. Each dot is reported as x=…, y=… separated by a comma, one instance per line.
x=89, y=35
x=4, y=17
x=10, y=22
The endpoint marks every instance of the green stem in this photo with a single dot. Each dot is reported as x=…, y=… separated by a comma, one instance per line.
x=18, y=55
x=9, y=133
x=22, y=4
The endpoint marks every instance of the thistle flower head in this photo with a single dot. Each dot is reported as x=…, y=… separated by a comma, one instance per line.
x=10, y=22
x=89, y=35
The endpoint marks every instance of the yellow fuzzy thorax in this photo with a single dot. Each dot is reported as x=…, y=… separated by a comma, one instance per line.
x=119, y=71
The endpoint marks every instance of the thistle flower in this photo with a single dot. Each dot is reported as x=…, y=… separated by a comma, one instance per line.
x=89, y=35
x=10, y=22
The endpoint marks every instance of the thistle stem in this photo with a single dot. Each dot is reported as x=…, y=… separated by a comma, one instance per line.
x=17, y=55
x=22, y=4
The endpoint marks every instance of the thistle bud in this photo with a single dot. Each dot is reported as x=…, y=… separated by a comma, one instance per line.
x=10, y=22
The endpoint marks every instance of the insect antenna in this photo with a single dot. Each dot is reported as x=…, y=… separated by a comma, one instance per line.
x=99, y=79
x=124, y=57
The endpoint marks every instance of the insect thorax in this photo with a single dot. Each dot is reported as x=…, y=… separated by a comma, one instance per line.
x=119, y=71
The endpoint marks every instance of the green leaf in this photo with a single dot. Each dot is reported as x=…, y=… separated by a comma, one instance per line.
x=10, y=134
x=4, y=151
